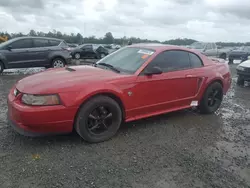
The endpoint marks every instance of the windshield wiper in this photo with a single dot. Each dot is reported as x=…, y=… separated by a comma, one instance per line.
x=109, y=66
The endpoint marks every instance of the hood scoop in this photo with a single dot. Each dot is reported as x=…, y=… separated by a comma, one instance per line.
x=70, y=69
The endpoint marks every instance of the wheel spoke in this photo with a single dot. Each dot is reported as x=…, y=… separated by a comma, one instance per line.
x=92, y=116
x=108, y=116
x=210, y=101
x=94, y=127
x=215, y=93
x=105, y=126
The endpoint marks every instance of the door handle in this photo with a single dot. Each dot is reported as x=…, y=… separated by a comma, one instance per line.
x=189, y=76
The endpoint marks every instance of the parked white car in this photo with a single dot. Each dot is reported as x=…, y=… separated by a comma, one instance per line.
x=243, y=71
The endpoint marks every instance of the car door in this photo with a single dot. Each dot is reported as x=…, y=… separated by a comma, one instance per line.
x=18, y=54
x=39, y=52
x=209, y=51
x=87, y=51
x=173, y=89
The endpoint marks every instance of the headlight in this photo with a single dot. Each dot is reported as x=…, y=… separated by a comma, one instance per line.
x=240, y=68
x=40, y=100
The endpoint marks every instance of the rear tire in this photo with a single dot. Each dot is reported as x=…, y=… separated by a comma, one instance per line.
x=211, y=99
x=58, y=63
x=1, y=67
x=240, y=81
x=223, y=56
x=77, y=56
x=93, y=124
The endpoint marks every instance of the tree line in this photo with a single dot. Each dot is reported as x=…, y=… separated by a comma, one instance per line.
x=108, y=39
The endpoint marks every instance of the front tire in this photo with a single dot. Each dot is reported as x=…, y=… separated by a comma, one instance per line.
x=240, y=81
x=211, y=99
x=98, y=119
x=1, y=67
x=58, y=63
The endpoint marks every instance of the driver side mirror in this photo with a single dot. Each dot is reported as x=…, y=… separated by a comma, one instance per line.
x=153, y=70
x=9, y=47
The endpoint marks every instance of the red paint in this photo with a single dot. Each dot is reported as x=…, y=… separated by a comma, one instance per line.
x=151, y=95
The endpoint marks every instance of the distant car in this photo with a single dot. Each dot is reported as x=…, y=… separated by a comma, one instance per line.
x=135, y=82
x=117, y=47
x=87, y=51
x=210, y=49
x=239, y=54
x=23, y=52
x=243, y=71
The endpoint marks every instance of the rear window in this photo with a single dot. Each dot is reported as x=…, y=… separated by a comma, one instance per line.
x=63, y=44
x=129, y=59
x=41, y=42
x=54, y=42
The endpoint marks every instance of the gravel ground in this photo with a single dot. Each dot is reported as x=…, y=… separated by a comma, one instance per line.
x=181, y=149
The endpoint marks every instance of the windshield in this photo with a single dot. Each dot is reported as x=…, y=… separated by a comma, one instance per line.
x=198, y=45
x=128, y=60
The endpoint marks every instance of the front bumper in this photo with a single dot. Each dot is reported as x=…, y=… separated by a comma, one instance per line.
x=39, y=121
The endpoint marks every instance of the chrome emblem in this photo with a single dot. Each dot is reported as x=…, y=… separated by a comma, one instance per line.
x=130, y=93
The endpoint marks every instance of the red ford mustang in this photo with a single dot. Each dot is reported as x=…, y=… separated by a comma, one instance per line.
x=134, y=82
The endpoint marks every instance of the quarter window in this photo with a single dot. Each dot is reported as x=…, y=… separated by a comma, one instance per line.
x=195, y=61
x=41, y=43
x=54, y=42
x=209, y=46
x=23, y=43
x=171, y=61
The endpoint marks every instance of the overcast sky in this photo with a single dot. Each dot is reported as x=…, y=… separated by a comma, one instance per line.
x=205, y=20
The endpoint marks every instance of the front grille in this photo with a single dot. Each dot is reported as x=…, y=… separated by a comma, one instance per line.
x=246, y=73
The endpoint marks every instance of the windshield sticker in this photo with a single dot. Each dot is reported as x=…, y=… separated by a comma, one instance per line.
x=145, y=56
x=147, y=52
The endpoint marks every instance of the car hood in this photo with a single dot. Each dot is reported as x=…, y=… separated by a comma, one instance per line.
x=245, y=64
x=63, y=80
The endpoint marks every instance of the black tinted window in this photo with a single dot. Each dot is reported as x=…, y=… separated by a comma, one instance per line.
x=171, y=61
x=54, y=42
x=195, y=61
x=41, y=43
x=87, y=47
x=23, y=43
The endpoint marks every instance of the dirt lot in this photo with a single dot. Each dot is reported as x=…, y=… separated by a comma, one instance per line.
x=181, y=149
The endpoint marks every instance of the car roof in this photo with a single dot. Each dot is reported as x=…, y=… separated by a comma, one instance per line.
x=160, y=47
x=31, y=37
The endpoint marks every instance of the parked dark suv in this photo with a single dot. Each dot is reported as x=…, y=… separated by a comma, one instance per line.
x=86, y=51
x=23, y=52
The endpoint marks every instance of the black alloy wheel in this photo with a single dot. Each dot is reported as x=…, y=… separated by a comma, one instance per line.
x=212, y=98
x=98, y=119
